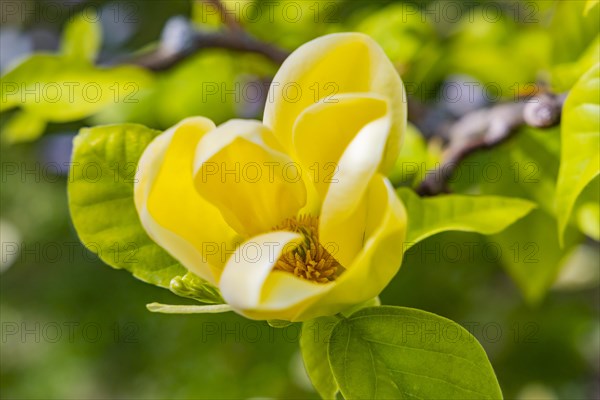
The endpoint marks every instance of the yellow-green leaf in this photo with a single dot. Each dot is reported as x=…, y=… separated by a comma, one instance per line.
x=23, y=127
x=588, y=219
x=101, y=202
x=530, y=253
x=82, y=37
x=313, y=344
x=402, y=353
x=482, y=214
x=589, y=5
x=580, y=141
x=59, y=90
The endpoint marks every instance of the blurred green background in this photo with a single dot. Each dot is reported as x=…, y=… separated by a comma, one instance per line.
x=74, y=328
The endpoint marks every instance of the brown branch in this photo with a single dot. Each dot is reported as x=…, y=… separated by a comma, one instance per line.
x=226, y=18
x=161, y=59
x=181, y=40
x=486, y=128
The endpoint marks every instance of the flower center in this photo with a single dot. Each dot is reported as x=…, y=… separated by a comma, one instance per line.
x=309, y=260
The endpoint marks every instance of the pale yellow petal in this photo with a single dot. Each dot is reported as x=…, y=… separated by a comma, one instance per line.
x=281, y=295
x=376, y=263
x=253, y=289
x=287, y=297
x=343, y=215
x=379, y=259
x=332, y=65
x=249, y=266
x=324, y=130
x=253, y=185
x=171, y=211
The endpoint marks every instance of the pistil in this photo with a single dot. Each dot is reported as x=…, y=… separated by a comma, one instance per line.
x=309, y=260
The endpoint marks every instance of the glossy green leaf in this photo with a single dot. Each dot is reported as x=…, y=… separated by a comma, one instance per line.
x=59, y=90
x=82, y=37
x=313, y=345
x=580, y=135
x=482, y=214
x=23, y=127
x=402, y=353
x=101, y=202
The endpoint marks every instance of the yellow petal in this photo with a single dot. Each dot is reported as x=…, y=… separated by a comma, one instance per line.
x=253, y=185
x=379, y=259
x=324, y=130
x=285, y=292
x=171, y=211
x=332, y=65
x=248, y=268
x=343, y=214
x=287, y=297
x=253, y=289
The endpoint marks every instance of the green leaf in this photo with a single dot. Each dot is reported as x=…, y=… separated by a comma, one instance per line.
x=82, y=37
x=59, y=90
x=395, y=353
x=580, y=135
x=482, y=214
x=399, y=23
x=420, y=54
x=498, y=53
x=530, y=253
x=194, y=287
x=572, y=29
x=564, y=76
x=313, y=345
x=526, y=166
x=23, y=127
x=588, y=220
x=374, y=302
x=197, y=87
x=175, y=309
x=589, y=4
x=288, y=35
x=101, y=203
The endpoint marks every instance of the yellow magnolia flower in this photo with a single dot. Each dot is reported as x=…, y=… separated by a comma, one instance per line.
x=291, y=218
